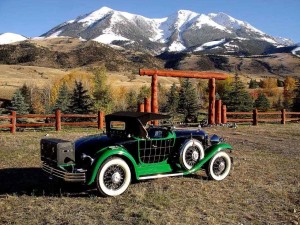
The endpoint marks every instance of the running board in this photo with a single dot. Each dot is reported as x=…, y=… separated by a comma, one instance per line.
x=160, y=176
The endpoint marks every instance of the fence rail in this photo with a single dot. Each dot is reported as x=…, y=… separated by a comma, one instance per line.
x=57, y=117
x=261, y=116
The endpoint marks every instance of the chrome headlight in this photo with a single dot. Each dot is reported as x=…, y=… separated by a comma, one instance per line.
x=215, y=139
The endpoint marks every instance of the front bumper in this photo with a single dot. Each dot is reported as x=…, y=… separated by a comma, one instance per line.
x=66, y=176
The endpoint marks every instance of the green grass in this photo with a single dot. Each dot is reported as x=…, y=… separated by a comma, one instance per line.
x=264, y=187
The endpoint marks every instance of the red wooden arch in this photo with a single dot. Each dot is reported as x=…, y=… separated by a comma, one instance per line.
x=212, y=76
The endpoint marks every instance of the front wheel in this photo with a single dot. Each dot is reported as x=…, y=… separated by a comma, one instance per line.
x=219, y=166
x=113, y=177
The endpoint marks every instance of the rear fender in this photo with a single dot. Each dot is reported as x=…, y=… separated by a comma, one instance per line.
x=107, y=153
x=209, y=153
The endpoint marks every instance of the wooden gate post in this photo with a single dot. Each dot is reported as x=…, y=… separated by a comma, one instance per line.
x=218, y=111
x=224, y=114
x=255, y=117
x=212, y=101
x=100, y=120
x=141, y=107
x=283, y=116
x=13, y=120
x=147, y=105
x=154, y=100
x=57, y=120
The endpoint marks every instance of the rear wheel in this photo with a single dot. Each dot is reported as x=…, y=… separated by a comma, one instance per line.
x=113, y=177
x=219, y=166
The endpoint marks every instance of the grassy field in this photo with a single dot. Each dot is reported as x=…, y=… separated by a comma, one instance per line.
x=264, y=187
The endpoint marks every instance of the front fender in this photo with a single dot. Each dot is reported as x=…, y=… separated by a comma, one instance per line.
x=209, y=153
x=105, y=154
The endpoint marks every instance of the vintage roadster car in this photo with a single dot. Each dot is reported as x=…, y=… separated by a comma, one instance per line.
x=133, y=149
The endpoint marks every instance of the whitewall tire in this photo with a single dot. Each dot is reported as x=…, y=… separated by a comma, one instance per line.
x=113, y=177
x=219, y=166
x=191, y=153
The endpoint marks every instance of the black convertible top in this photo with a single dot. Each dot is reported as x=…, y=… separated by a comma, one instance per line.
x=135, y=121
x=144, y=117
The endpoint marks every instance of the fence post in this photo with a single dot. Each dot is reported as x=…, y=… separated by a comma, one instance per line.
x=218, y=111
x=224, y=114
x=57, y=120
x=283, y=117
x=255, y=117
x=100, y=120
x=13, y=122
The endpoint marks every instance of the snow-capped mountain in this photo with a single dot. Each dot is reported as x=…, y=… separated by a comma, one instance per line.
x=8, y=38
x=182, y=31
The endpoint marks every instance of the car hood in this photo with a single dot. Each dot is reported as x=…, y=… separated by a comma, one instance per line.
x=91, y=144
x=188, y=133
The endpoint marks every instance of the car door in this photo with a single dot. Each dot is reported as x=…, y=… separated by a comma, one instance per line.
x=157, y=147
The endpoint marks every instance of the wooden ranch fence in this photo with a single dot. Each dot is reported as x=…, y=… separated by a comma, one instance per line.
x=255, y=117
x=56, y=118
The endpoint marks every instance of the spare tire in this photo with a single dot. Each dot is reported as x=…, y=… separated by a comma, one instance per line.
x=191, y=152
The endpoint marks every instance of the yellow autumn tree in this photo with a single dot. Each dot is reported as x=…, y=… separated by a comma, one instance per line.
x=288, y=92
x=76, y=75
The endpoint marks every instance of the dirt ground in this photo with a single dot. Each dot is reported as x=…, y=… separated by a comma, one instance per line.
x=263, y=188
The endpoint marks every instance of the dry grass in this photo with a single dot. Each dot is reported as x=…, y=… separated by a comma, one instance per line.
x=264, y=187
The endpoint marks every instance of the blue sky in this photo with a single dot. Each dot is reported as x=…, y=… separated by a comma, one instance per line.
x=34, y=17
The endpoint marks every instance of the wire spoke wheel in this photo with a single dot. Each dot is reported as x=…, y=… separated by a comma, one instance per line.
x=191, y=153
x=113, y=177
x=192, y=156
x=219, y=166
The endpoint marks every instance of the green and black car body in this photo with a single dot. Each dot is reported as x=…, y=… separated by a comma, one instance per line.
x=133, y=150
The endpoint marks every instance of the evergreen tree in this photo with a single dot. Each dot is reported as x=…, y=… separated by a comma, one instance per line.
x=296, y=102
x=131, y=100
x=81, y=102
x=278, y=104
x=18, y=104
x=172, y=100
x=188, y=103
x=237, y=99
x=63, y=99
x=253, y=84
x=262, y=103
x=26, y=92
x=102, y=92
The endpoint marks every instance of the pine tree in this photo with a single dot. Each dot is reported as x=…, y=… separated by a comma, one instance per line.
x=81, y=102
x=131, y=100
x=262, y=103
x=18, y=104
x=188, y=103
x=63, y=99
x=237, y=99
x=296, y=102
x=172, y=100
x=26, y=92
x=253, y=84
x=102, y=92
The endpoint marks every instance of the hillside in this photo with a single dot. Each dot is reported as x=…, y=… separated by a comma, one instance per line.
x=66, y=53
x=278, y=65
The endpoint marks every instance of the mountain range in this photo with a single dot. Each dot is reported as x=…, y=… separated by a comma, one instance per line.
x=183, y=31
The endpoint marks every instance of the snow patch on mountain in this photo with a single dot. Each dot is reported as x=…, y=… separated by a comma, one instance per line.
x=176, y=46
x=210, y=45
x=109, y=38
x=8, y=38
x=295, y=50
x=229, y=22
x=206, y=20
x=91, y=18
